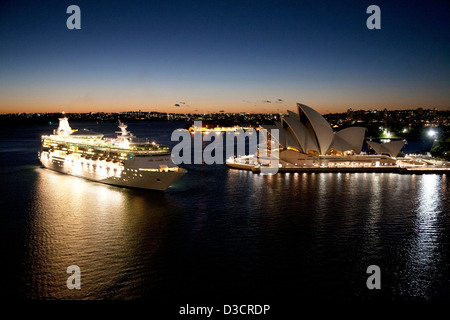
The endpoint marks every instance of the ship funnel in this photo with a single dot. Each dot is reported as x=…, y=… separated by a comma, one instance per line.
x=64, y=128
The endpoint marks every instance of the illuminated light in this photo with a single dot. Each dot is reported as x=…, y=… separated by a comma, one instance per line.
x=432, y=133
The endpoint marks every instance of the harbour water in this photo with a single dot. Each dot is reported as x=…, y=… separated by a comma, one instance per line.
x=219, y=232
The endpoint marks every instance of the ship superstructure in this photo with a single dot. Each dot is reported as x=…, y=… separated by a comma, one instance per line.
x=123, y=161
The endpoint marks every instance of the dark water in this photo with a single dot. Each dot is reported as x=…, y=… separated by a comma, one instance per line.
x=219, y=232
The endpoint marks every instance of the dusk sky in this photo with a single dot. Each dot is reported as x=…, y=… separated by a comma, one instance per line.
x=236, y=56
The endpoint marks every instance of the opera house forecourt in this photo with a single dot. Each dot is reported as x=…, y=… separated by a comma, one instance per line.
x=307, y=143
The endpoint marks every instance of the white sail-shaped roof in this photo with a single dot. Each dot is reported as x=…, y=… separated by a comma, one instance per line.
x=392, y=148
x=322, y=129
x=349, y=139
x=308, y=131
x=269, y=128
x=305, y=138
x=282, y=135
x=291, y=142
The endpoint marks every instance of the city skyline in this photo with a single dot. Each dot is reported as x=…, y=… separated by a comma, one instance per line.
x=193, y=57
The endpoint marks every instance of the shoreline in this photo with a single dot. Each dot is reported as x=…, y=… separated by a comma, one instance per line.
x=399, y=170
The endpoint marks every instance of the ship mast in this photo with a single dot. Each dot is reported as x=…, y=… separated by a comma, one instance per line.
x=124, y=139
x=64, y=128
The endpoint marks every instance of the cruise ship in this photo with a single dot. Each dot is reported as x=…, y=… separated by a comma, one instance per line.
x=121, y=161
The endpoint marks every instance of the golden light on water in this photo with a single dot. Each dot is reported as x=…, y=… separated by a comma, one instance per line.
x=88, y=224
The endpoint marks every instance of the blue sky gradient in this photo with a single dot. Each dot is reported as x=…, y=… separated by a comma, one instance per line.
x=223, y=55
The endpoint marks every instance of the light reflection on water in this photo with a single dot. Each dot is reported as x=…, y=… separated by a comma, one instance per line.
x=316, y=233
x=350, y=221
x=220, y=231
x=423, y=257
x=100, y=228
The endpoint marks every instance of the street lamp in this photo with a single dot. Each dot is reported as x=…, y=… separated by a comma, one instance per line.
x=432, y=133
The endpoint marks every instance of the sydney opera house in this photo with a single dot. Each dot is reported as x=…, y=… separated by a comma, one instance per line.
x=306, y=142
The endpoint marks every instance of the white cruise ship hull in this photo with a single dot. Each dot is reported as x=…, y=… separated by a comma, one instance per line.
x=128, y=175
